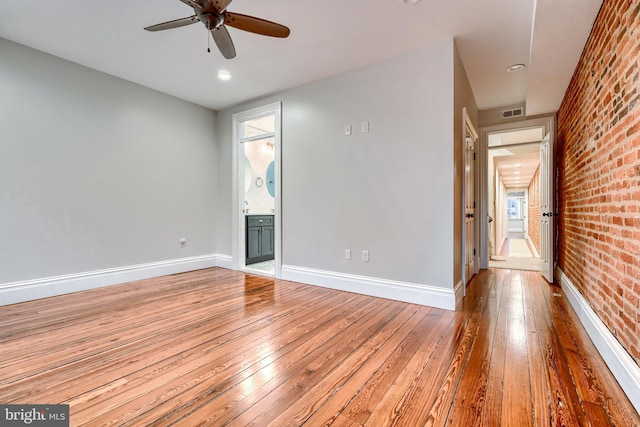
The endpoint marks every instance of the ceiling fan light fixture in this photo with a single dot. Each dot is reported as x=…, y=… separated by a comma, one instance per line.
x=515, y=67
x=224, y=75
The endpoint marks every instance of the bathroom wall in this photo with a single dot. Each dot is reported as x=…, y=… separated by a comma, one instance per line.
x=258, y=156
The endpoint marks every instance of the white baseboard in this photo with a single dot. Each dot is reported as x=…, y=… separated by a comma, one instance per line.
x=224, y=261
x=11, y=293
x=401, y=291
x=533, y=249
x=623, y=367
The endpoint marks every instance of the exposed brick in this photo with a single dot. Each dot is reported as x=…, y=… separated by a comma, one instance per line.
x=599, y=172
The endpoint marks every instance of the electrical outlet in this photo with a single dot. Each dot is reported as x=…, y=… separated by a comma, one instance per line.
x=365, y=256
x=183, y=242
x=347, y=130
x=347, y=254
x=365, y=127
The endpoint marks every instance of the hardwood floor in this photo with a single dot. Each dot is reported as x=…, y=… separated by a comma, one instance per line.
x=217, y=347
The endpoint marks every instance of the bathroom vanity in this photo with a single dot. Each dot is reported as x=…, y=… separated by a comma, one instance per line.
x=260, y=238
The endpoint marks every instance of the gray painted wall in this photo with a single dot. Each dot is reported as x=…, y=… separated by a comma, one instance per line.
x=390, y=191
x=97, y=172
x=463, y=97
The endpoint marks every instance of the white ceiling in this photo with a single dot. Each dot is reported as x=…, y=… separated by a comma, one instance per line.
x=327, y=37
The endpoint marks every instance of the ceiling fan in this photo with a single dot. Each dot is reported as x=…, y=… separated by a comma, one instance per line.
x=213, y=14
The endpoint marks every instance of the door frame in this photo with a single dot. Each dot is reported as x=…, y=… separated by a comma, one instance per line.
x=238, y=245
x=548, y=124
x=468, y=131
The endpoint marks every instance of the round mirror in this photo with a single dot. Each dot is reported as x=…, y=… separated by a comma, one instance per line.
x=271, y=187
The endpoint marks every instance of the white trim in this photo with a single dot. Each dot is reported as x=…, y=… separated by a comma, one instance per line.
x=460, y=290
x=15, y=292
x=623, y=367
x=533, y=249
x=224, y=261
x=391, y=289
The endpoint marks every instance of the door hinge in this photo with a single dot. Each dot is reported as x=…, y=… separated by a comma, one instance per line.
x=474, y=205
x=474, y=251
x=474, y=156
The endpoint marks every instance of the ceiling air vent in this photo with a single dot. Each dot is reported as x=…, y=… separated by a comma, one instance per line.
x=516, y=112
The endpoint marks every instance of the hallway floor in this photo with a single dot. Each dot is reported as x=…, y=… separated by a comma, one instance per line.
x=516, y=254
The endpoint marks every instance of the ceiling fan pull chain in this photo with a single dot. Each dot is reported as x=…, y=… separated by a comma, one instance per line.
x=209, y=41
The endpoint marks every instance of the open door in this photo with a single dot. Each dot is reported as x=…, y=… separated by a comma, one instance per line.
x=547, y=207
x=469, y=197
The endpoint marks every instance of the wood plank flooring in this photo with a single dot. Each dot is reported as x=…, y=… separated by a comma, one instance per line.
x=218, y=347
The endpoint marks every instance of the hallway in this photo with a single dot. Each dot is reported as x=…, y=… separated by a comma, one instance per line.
x=517, y=253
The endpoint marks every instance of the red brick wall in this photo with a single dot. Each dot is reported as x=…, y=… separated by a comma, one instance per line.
x=533, y=214
x=599, y=173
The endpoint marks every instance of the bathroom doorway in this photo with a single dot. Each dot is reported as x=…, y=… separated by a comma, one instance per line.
x=256, y=152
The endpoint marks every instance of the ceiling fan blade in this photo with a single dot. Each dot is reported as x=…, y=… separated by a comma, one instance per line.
x=173, y=24
x=220, y=5
x=192, y=3
x=256, y=25
x=223, y=41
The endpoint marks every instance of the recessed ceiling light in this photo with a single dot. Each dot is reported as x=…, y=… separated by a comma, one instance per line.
x=515, y=67
x=410, y=1
x=224, y=75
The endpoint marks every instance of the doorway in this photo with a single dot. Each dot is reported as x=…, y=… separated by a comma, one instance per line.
x=514, y=238
x=257, y=189
x=511, y=188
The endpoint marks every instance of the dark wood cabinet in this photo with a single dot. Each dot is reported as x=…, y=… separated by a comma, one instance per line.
x=260, y=238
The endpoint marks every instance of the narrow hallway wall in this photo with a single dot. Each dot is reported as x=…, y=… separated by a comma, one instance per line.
x=599, y=173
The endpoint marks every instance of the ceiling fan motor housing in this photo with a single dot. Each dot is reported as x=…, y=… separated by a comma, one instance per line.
x=211, y=20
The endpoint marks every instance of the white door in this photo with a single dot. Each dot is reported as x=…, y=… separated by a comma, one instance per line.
x=469, y=138
x=546, y=207
x=469, y=209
